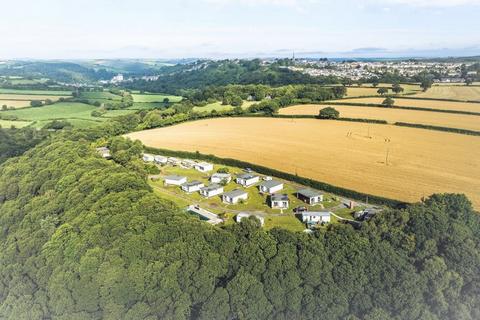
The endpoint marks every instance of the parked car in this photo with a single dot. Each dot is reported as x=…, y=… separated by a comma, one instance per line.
x=249, y=170
x=300, y=209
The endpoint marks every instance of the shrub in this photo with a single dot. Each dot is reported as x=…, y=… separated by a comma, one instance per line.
x=329, y=113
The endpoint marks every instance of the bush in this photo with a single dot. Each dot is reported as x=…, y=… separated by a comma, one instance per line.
x=36, y=103
x=329, y=113
x=388, y=102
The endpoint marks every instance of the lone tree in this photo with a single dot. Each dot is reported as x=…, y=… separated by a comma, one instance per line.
x=426, y=84
x=396, y=88
x=328, y=113
x=388, y=102
x=382, y=91
x=36, y=103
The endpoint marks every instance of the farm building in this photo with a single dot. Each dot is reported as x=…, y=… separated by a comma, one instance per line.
x=188, y=163
x=234, y=196
x=316, y=216
x=175, y=180
x=192, y=186
x=160, y=159
x=247, y=179
x=148, y=157
x=204, y=166
x=309, y=196
x=104, y=152
x=270, y=186
x=221, y=177
x=174, y=161
x=279, y=201
x=246, y=215
x=211, y=190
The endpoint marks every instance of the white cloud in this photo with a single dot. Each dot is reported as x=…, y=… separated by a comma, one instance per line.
x=433, y=3
x=303, y=3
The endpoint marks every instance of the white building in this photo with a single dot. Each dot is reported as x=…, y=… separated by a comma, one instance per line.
x=245, y=215
x=247, y=179
x=316, y=216
x=234, y=196
x=221, y=178
x=104, y=152
x=160, y=159
x=279, y=201
x=270, y=186
x=188, y=163
x=173, y=161
x=211, y=190
x=174, y=180
x=148, y=157
x=310, y=196
x=192, y=186
x=204, y=166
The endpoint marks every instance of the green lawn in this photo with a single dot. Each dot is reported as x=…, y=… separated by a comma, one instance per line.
x=37, y=92
x=154, y=98
x=16, y=124
x=61, y=110
x=146, y=105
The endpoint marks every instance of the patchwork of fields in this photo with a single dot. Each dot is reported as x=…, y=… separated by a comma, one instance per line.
x=451, y=120
x=347, y=154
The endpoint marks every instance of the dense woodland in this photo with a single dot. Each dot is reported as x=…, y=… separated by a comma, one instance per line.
x=86, y=238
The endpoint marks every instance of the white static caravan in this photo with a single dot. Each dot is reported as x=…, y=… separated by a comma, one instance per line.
x=270, y=186
x=204, y=166
x=221, y=177
x=193, y=186
x=175, y=180
x=247, y=179
x=211, y=190
x=316, y=216
x=245, y=215
x=234, y=196
x=148, y=157
x=160, y=159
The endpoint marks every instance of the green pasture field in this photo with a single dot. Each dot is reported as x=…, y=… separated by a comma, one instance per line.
x=155, y=98
x=36, y=92
x=16, y=124
x=99, y=95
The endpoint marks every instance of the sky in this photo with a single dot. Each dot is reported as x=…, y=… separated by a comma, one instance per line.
x=156, y=29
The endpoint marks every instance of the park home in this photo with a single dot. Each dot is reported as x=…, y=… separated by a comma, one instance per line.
x=247, y=179
x=309, y=196
x=174, y=161
x=311, y=217
x=148, y=157
x=175, y=180
x=192, y=186
x=234, y=196
x=270, y=186
x=221, y=178
x=279, y=201
x=211, y=190
x=160, y=159
x=188, y=163
x=204, y=166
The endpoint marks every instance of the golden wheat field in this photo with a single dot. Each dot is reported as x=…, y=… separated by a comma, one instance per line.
x=419, y=103
x=465, y=93
x=368, y=90
x=347, y=154
x=15, y=103
x=450, y=120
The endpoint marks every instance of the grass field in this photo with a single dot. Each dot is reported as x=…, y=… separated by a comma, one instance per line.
x=419, y=103
x=451, y=120
x=100, y=95
x=16, y=124
x=220, y=107
x=463, y=93
x=154, y=98
x=62, y=110
x=36, y=92
x=347, y=154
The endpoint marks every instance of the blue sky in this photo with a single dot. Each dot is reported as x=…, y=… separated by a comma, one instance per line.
x=59, y=29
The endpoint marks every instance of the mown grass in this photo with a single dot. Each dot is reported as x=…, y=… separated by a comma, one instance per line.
x=36, y=92
x=155, y=98
x=16, y=124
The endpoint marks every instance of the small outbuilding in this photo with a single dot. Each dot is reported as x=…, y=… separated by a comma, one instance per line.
x=211, y=190
x=192, y=186
x=104, y=152
x=204, y=166
x=270, y=186
x=246, y=215
x=279, y=201
x=310, y=196
x=175, y=180
x=247, y=179
x=234, y=196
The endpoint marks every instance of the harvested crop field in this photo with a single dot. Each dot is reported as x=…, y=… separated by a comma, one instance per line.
x=370, y=91
x=15, y=103
x=449, y=120
x=346, y=154
x=464, y=93
x=420, y=103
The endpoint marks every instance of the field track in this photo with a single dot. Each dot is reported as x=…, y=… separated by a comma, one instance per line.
x=345, y=154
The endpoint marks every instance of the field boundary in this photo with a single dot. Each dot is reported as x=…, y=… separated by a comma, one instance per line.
x=409, y=96
x=359, y=196
x=438, y=128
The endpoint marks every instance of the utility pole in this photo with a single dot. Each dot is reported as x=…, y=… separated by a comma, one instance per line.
x=386, y=157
